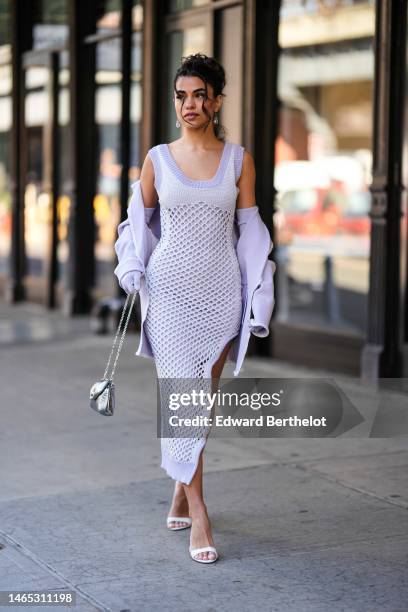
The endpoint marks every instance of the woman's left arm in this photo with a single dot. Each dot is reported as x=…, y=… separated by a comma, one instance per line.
x=246, y=183
x=246, y=196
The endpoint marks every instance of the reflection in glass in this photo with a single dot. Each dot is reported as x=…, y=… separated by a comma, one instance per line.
x=231, y=58
x=181, y=43
x=294, y=8
x=108, y=15
x=37, y=194
x=137, y=15
x=323, y=165
x=39, y=176
x=50, y=23
x=175, y=6
x=64, y=173
x=5, y=25
x=52, y=12
x=108, y=117
x=5, y=170
x=135, y=107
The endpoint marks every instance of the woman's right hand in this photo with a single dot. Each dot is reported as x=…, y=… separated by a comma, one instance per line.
x=131, y=281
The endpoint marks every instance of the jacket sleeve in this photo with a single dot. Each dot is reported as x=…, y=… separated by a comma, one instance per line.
x=128, y=261
x=263, y=302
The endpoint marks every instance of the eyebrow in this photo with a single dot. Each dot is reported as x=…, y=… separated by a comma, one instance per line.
x=183, y=91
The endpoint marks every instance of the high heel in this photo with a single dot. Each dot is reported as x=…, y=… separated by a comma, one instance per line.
x=178, y=519
x=196, y=551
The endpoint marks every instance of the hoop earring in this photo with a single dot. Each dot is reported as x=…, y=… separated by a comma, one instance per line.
x=177, y=123
x=215, y=119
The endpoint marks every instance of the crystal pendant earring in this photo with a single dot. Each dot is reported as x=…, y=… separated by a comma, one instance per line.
x=215, y=119
x=177, y=123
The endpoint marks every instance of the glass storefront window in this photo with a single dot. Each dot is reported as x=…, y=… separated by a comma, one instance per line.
x=37, y=195
x=323, y=163
x=404, y=206
x=174, y=6
x=5, y=23
x=231, y=57
x=5, y=133
x=50, y=11
x=293, y=8
x=64, y=173
x=137, y=15
x=108, y=111
x=5, y=187
x=50, y=23
x=108, y=15
x=181, y=43
x=47, y=175
x=136, y=85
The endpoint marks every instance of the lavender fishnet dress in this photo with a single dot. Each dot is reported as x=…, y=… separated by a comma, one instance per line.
x=194, y=284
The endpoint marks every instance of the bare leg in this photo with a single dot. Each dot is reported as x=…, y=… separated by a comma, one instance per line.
x=201, y=528
x=179, y=505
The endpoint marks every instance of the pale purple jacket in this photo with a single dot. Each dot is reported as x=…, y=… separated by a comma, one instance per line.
x=137, y=240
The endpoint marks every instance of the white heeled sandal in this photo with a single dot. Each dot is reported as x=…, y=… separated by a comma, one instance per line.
x=178, y=519
x=196, y=551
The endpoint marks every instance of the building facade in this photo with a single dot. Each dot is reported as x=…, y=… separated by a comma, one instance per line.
x=316, y=91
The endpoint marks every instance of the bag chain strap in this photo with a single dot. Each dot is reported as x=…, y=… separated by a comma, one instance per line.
x=123, y=335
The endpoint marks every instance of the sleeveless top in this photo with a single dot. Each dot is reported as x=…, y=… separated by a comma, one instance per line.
x=172, y=191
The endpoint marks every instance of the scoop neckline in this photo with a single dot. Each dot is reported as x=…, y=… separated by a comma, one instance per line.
x=197, y=182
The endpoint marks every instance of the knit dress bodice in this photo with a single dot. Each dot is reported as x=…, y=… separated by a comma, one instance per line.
x=194, y=284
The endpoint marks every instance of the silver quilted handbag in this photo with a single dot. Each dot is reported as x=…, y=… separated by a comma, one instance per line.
x=102, y=393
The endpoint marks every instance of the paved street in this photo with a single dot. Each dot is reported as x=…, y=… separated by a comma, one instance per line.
x=301, y=525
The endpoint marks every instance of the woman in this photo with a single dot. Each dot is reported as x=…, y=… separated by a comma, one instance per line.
x=193, y=275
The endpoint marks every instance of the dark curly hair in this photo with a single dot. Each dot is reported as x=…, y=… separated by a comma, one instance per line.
x=211, y=72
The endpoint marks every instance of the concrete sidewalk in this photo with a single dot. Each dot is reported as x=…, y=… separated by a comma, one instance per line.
x=300, y=524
